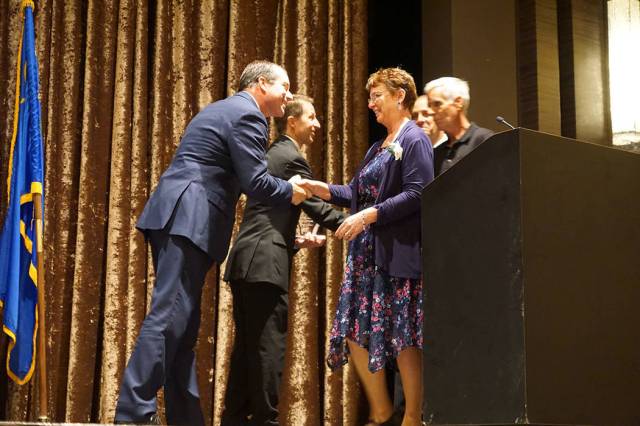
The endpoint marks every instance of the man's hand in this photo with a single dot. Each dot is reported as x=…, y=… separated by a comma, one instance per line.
x=299, y=193
x=310, y=240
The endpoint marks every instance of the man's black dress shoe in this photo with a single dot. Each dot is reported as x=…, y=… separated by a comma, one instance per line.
x=153, y=419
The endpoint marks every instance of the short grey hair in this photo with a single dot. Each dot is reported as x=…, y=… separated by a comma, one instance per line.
x=452, y=88
x=257, y=69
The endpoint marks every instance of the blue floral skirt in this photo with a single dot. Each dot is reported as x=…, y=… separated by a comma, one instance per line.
x=380, y=313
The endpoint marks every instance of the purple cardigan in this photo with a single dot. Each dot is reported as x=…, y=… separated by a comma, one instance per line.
x=397, y=230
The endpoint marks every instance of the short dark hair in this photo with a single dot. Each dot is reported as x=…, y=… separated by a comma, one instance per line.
x=292, y=109
x=257, y=69
x=395, y=79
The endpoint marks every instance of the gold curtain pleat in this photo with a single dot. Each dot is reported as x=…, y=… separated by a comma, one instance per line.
x=126, y=259
x=63, y=143
x=119, y=82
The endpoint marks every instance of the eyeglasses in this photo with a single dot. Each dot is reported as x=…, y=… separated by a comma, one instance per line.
x=375, y=96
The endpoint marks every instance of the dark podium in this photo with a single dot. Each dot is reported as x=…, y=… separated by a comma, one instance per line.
x=531, y=250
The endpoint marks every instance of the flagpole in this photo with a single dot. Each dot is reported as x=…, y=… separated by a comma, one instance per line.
x=42, y=335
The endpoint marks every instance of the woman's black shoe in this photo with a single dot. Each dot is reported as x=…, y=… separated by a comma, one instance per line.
x=391, y=421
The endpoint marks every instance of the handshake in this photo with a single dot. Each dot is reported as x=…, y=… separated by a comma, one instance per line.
x=306, y=188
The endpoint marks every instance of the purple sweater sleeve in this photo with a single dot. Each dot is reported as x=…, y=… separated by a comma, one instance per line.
x=341, y=194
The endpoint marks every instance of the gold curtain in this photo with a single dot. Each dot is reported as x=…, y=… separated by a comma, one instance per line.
x=119, y=81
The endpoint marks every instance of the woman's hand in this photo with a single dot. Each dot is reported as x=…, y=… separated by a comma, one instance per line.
x=316, y=187
x=356, y=223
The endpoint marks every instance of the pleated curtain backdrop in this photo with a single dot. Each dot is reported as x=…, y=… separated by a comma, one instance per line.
x=119, y=82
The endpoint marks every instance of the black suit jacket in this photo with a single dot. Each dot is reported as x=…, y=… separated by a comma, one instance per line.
x=222, y=153
x=264, y=247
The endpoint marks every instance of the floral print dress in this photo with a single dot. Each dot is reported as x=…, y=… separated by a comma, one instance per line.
x=381, y=313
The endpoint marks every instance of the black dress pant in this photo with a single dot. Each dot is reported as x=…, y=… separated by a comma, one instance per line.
x=163, y=354
x=260, y=315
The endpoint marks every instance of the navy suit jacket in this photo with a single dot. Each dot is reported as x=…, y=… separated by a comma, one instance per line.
x=397, y=230
x=222, y=153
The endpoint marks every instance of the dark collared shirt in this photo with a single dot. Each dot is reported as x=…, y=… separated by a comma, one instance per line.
x=445, y=156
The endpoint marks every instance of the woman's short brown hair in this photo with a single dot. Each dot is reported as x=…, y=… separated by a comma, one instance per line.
x=395, y=79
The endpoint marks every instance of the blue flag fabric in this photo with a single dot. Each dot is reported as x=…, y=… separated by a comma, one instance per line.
x=18, y=262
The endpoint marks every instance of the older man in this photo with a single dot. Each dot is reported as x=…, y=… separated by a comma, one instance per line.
x=423, y=117
x=449, y=102
x=188, y=221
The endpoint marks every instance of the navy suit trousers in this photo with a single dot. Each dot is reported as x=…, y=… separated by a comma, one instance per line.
x=163, y=353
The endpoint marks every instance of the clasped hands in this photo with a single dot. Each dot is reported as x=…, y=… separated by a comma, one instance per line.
x=352, y=225
x=300, y=193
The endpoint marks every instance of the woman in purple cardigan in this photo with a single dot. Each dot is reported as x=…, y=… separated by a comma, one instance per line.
x=379, y=314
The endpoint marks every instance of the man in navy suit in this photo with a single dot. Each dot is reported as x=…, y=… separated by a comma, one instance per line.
x=188, y=221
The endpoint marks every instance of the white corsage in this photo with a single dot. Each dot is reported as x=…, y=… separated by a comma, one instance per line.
x=395, y=149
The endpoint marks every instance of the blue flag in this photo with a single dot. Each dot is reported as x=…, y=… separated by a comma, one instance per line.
x=18, y=262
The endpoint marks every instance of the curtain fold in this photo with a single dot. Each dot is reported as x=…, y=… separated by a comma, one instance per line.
x=126, y=257
x=65, y=124
x=119, y=83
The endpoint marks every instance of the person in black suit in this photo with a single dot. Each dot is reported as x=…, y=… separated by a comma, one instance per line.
x=258, y=270
x=188, y=221
x=448, y=103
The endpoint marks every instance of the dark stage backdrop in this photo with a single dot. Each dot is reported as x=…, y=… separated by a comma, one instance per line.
x=395, y=40
x=119, y=82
